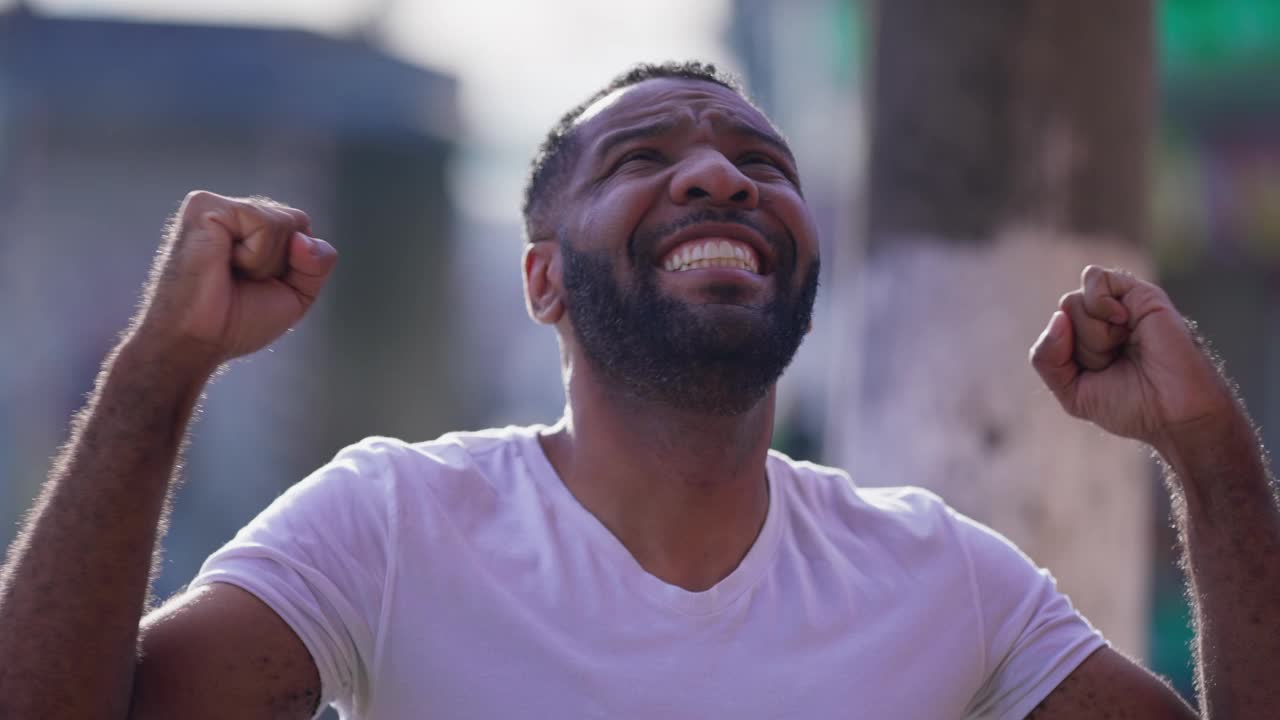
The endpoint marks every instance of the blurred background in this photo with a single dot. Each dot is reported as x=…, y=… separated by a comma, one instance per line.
x=965, y=161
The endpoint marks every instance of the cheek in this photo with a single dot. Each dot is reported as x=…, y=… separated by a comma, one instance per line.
x=613, y=214
x=794, y=214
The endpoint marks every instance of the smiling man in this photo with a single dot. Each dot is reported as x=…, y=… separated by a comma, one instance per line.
x=647, y=556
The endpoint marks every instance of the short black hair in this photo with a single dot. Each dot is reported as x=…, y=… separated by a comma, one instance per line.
x=555, y=155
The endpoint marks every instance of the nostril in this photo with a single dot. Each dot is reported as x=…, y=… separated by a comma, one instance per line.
x=740, y=196
x=697, y=192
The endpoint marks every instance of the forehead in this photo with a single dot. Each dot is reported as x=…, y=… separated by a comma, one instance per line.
x=674, y=99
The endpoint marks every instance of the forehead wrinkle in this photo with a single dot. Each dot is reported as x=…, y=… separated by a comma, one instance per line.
x=671, y=103
x=652, y=128
x=738, y=125
x=731, y=122
x=726, y=111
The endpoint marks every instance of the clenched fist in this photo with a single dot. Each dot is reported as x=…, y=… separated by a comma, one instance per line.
x=1117, y=353
x=232, y=275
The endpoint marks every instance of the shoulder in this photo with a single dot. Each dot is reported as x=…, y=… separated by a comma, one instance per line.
x=451, y=449
x=832, y=496
x=905, y=527
x=389, y=460
x=383, y=477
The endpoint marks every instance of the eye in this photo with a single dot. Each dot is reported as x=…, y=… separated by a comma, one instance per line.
x=639, y=155
x=756, y=158
x=766, y=167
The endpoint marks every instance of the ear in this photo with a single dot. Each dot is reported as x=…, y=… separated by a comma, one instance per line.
x=543, y=282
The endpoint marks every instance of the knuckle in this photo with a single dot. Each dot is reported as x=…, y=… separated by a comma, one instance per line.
x=1151, y=296
x=271, y=208
x=199, y=201
x=1036, y=354
x=279, y=217
x=199, y=205
x=1093, y=276
x=289, y=216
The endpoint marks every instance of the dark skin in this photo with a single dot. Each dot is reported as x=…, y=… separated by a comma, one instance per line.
x=685, y=494
x=693, y=526
x=231, y=277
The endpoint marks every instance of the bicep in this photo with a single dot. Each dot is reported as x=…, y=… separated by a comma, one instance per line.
x=217, y=652
x=1109, y=685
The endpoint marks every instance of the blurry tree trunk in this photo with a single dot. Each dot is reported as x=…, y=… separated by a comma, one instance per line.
x=1008, y=150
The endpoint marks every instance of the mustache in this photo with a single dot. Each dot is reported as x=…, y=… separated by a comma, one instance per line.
x=643, y=244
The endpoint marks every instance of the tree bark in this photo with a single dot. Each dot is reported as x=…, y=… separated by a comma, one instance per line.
x=1008, y=151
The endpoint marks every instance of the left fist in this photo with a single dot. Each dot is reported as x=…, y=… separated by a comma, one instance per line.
x=1118, y=354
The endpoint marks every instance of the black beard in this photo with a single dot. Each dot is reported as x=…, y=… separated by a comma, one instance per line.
x=691, y=358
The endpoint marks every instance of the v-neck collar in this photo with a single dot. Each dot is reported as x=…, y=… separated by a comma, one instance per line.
x=706, y=602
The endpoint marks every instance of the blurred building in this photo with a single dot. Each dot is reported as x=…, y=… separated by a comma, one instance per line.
x=1216, y=228
x=1215, y=206
x=803, y=65
x=105, y=125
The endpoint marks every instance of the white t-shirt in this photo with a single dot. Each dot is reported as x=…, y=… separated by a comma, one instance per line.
x=459, y=578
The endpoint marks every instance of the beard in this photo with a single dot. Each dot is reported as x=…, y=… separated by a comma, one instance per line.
x=699, y=358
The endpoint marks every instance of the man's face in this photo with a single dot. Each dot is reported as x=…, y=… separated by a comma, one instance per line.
x=690, y=256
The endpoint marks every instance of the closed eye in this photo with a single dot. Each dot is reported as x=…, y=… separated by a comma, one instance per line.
x=765, y=164
x=638, y=155
x=758, y=159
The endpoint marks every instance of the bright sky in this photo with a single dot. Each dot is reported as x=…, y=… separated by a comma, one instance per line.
x=521, y=63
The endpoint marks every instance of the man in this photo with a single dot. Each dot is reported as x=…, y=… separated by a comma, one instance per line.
x=647, y=556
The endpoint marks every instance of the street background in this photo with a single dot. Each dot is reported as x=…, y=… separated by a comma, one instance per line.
x=964, y=164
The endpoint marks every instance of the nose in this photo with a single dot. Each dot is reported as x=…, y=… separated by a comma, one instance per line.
x=709, y=176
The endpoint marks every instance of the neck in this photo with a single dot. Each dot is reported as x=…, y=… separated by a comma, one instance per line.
x=685, y=493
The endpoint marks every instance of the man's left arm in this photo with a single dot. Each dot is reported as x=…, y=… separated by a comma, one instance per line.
x=1119, y=355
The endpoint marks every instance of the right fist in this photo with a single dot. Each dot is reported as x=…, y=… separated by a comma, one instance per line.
x=232, y=275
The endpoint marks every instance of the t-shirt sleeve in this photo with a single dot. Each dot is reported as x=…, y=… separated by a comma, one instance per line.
x=318, y=556
x=1033, y=637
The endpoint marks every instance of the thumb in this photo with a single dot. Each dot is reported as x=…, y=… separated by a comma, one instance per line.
x=310, y=262
x=1051, y=356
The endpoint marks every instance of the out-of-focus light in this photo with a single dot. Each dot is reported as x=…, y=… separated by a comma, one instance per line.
x=319, y=15
x=519, y=64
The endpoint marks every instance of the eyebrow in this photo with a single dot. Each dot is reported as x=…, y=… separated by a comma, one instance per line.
x=735, y=125
x=742, y=127
x=617, y=137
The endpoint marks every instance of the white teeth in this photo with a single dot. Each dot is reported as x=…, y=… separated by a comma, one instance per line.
x=712, y=253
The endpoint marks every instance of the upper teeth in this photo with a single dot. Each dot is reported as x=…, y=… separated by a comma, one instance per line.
x=712, y=253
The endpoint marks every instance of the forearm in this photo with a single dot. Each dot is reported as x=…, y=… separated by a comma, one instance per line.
x=75, y=582
x=1229, y=521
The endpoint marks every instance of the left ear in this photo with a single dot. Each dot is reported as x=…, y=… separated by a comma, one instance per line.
x=543, y=282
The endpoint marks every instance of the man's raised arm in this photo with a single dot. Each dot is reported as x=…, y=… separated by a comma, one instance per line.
x=1119, y=354
x=231, y=276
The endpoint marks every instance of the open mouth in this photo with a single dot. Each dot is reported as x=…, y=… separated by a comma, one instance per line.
x=711, y=252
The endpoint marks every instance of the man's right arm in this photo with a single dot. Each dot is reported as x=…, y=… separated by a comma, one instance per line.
x=232, y=276
x=217, y=652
